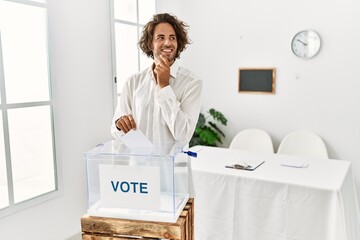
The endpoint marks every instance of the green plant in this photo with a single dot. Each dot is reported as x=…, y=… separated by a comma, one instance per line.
x=207, y=132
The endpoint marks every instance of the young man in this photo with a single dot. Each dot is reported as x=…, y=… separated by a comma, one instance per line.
x=163, y=101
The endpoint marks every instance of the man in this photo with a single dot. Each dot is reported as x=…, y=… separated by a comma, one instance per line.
x=163, y=101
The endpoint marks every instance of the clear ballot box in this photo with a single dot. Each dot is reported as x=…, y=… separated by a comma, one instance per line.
x=141, y=184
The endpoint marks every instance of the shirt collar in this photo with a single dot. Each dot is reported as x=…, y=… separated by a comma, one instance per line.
x=174, y=69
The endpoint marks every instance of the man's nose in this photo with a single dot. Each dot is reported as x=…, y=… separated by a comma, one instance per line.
x=167, y=41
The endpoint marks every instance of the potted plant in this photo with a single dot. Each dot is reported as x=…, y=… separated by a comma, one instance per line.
x=207, y=132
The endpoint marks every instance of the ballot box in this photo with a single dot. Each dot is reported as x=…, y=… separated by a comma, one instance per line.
x=149, y=184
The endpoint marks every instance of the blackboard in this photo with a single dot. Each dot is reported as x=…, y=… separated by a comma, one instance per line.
x=257, y=80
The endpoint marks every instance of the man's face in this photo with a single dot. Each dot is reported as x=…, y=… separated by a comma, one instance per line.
x=164, y=42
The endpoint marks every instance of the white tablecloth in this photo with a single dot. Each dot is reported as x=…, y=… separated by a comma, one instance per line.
x=273, y=202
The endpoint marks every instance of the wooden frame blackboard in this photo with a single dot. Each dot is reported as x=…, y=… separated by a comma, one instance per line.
x=257, y=80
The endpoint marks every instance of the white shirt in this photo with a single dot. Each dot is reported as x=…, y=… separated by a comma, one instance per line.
x=163, y=114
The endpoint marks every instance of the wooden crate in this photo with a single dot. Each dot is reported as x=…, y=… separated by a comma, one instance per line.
x=102, y=228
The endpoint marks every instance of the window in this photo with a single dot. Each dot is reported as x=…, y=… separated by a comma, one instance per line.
x=27, y=154
x=128, y=18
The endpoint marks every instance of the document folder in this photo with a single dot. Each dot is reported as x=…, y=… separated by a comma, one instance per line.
x=248, y=165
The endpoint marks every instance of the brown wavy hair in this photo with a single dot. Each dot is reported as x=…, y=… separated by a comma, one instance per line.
x=181, y=31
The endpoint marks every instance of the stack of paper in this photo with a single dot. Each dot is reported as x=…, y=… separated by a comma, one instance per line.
x=294, y=163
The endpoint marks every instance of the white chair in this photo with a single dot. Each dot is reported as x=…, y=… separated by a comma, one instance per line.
x=303, y=143
x=252, y=139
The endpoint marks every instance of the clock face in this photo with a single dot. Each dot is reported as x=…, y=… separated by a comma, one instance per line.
x=306, y=44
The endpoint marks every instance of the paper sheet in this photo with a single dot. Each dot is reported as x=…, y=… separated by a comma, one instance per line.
x=137, y=142
x=294, y=163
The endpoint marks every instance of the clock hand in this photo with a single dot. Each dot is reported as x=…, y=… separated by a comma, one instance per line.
x=305, y=44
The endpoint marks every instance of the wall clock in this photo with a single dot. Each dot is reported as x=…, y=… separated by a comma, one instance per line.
x=306, y=44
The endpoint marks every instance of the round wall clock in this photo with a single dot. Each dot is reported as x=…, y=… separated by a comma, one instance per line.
x=306, y=44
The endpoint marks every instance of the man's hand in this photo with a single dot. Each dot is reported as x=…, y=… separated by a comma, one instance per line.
x=162, y=71
x=125, y=123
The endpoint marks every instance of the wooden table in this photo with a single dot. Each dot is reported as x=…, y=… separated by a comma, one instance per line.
x=102, y=228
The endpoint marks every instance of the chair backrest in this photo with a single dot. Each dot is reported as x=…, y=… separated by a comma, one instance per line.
x=303, y=143
x=253, y=139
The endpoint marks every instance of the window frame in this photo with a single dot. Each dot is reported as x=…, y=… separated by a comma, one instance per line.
x=4, y=107
x=139, y=27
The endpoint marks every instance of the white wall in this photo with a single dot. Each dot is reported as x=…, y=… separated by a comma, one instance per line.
x=321, y=94
x=81, y=76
